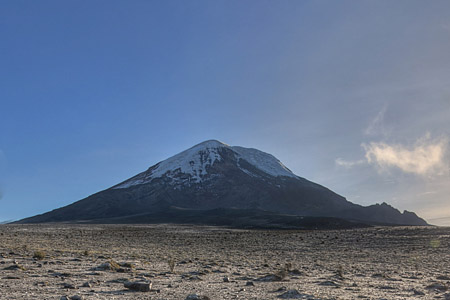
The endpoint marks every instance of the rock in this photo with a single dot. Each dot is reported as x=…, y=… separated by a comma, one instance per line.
x=114, y=266
x=226, y=279
x=64, y=298
x=437, y=287
x=15, y=266
x=295, y=272
x=329, y=283
x=418, y=293
x=68, y=286
x=87, y=284
x=294, y=294
x=140, y=286
x=267, y=278
x=76, y=297
x=443, y=277
x=279, y=290
x=196, y=297
x=194, y=278
x=249, y=283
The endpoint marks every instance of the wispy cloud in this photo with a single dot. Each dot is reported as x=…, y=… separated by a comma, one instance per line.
x=376, y=125
x=348, y=163
x=426, y=157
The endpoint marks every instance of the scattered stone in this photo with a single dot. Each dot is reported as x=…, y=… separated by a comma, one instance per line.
x=119, y=280
x=418, y=293
x=437, y=287
x=114, y=266
x=329, y=283
x=109, y=266
x=64, y=298
x=268, y=278
x=11, y=277
x=226, y=279
x=443, y=277
x=87, y=284
x=294, y=294
x=15, y=266
x=281, y=289
x=295, y=272
x=249, y=283
x=140, y=286
x=194, y=278
x=196, y=297
x=76, y=297
x=68, y=286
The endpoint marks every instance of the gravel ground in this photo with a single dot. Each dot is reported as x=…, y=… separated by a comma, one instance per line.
x=95, y=262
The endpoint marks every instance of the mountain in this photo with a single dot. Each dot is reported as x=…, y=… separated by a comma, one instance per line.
x=211, y=176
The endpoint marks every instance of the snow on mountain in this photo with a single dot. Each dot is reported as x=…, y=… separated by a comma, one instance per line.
x=263, y=161
x=194, y=161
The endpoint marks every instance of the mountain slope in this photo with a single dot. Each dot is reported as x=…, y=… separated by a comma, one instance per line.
x=213, y=175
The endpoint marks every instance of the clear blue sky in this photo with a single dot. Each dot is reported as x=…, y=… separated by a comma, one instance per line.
x=354, y=95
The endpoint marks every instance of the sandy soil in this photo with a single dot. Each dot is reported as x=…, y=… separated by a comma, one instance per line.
x=52, y=261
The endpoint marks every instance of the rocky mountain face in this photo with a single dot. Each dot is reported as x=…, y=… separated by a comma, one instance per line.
x=211, y=176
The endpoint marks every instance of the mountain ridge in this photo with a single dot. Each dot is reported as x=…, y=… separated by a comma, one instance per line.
x=212, y=175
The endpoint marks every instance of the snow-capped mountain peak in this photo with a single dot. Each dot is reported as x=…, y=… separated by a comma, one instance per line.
x=195, y=161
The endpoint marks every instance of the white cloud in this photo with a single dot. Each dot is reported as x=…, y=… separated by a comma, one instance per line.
x=348, y=164
x=424, y=158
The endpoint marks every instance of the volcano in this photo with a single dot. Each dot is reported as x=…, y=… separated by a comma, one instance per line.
x=217, y=184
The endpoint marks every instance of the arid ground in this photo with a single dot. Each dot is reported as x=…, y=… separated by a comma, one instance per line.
x=94, y=262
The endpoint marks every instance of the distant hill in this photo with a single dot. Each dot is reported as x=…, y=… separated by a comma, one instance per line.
x=211, y=181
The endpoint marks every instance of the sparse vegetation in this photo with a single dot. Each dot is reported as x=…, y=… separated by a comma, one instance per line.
x=171, y=263
x=39, y=255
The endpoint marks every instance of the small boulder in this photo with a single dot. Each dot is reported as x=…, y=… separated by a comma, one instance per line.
x=196, y=297
x=294, y=294
x=437, y=287
x=268, y=278
x=68, y=286
x=140, y=286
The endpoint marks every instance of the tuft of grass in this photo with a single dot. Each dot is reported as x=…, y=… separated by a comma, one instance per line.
x=114, y=265
x=340, y=273
x=39, y=255
x=171, y=263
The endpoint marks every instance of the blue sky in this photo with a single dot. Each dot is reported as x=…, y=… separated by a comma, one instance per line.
x=354, y=95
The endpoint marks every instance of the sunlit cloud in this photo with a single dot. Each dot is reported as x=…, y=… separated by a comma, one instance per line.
x=424, y=158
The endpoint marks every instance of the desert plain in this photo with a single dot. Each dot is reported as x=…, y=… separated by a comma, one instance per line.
x=64, y=261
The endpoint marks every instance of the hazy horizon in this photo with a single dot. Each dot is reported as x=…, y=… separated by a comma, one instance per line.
x=352, y=95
